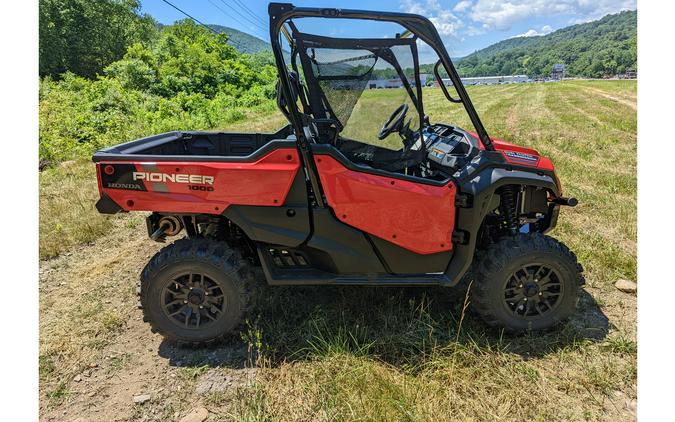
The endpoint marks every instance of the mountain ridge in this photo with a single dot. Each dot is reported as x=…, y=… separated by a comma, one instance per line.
x=593, y=49
x=245, y=43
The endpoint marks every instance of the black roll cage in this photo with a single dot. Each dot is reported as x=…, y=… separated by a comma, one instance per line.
x=420, y=26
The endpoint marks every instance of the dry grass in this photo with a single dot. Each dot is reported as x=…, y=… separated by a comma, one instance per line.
x=83, y=310
x=382, y=361
x=369, y=353
x=68, y=193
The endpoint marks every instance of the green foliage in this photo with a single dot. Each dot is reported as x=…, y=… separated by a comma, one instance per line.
x=186, y=79
x=189, y=58
x=594, y=49
x=84, y=36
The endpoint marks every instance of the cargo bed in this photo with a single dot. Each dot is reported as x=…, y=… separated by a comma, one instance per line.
x=197, y=172
x=195, y=146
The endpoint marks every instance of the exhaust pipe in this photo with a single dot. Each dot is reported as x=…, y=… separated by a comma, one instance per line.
x=570, y=202
x=167, y=226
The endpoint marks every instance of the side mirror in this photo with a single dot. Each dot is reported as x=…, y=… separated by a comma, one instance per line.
x=442, y=85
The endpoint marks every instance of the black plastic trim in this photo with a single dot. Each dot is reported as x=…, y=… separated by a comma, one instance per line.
x=311, y=276
x=125, y=152
x=481, y=185
x=551, y=218
x=288, y=225
x=347, y=248
x=106, y=205
x=271, y=224
x=402, y=261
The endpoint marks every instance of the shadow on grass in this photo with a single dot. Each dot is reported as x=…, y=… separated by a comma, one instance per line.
x=404, y=327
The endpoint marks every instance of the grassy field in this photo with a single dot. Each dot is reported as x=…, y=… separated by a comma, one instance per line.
x=360, y=353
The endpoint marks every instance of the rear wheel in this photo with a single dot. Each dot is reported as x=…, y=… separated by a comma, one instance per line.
x=195, y=291
x=526, y=282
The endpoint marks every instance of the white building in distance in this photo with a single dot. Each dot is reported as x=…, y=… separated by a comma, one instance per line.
x=490, y=80
x=395, y=83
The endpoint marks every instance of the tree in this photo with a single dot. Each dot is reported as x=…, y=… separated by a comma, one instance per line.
x=84, y=36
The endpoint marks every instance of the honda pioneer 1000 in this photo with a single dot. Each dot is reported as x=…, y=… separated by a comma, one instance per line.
x=361, y=188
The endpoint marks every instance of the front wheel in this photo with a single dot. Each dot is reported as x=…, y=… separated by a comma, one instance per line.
x=526, y=282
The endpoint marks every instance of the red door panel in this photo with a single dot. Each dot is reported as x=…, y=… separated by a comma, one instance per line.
x=199, y=187
x=414, y=216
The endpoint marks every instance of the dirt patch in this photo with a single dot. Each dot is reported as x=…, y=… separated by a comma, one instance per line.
x=623, y=101
x=135, y=362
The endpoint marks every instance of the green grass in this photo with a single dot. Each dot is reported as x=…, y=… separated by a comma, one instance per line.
x=412, y=354
x=376, y=354
x=590, y=138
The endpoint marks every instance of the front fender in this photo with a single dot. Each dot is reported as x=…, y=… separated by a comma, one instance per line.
x=480, y=187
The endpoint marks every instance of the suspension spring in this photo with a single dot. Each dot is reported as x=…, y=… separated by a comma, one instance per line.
x=508, y=208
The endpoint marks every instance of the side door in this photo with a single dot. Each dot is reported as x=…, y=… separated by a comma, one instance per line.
x=415, y=214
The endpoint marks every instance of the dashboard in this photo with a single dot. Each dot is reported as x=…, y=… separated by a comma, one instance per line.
x=448, y=147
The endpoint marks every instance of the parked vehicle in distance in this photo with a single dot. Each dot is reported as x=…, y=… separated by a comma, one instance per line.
x=325, y=200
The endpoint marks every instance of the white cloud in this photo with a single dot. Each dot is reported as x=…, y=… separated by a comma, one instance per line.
x=472, y=31
x=481, y=16
x=447, y=24
x=462, y=6
x=500, y=14
x=410, y=6
x=529, y=33
x=546, y=29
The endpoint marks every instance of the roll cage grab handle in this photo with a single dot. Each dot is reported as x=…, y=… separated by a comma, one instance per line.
x=419, y=25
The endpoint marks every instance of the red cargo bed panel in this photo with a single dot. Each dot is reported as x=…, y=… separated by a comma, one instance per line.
x=199, y=187
x=415, y=216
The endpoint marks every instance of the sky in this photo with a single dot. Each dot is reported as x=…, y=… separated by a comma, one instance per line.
x=464, y=25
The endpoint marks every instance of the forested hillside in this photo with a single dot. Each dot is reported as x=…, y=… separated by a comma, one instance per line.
x=100, y=89
x=604, y=47
x=242, y=41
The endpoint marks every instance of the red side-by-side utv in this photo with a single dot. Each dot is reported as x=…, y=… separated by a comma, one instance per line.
x=328, y=199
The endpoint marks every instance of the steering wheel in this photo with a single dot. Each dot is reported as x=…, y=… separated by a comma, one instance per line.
x=395, y=122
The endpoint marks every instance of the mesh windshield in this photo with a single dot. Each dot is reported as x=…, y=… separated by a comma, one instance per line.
x=344, y=73
x=342, y=76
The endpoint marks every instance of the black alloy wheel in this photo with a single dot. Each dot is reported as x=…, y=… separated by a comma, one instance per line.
x=196, y=291
x=533, y=290
x=194, y=301
x=526, y=282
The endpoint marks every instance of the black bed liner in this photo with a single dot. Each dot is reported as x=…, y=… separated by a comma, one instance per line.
x=199, y=146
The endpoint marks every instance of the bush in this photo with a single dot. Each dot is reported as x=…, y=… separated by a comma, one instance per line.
x=189, y=79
